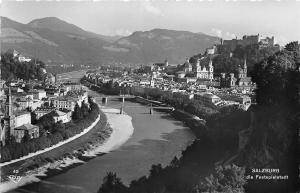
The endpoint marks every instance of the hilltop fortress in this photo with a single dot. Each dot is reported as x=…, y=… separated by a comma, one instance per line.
x=247, y=40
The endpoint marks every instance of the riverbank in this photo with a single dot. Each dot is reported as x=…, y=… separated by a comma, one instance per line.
x=121, y=130
x=61, y=154
x=30, y=155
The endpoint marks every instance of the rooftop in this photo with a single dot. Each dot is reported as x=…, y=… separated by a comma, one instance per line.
x=26, y=127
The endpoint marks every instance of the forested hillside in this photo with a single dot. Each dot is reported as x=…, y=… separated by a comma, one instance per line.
x=274, y=132
x=11, y=68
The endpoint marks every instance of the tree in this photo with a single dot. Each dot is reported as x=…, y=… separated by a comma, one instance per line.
x=175, y=162
x=292, y=46
x=46, y=104
x=33, y=118
x=26, y=137
x=27, y=87
x=227, y=179
x=84, y=109
x=11, y=140
x=155, y=170
x=77, y=114
x=46, y=122
x=112, y=184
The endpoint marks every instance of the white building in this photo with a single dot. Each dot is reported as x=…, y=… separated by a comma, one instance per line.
x=38, y=94
x=202, y=73
x=64, y=103
x=41, y=111
x=62, y=116
x=207, y=98
x=22, y=118
x=32, y=130
x=24, y=59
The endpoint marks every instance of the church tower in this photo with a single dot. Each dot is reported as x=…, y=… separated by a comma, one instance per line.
x=187, y=65
x=198, y=69
x=9, y=117
x=1, y=82
x=240, y=72
x=210, y=70
x=166, y=62
x=245, y=67
x=8, y=104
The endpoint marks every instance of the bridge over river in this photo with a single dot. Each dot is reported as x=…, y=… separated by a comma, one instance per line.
x=152, y=104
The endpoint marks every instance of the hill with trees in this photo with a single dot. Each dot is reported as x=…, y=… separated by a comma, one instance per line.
x=273, y=136
x=11, y=68
x=227, y=62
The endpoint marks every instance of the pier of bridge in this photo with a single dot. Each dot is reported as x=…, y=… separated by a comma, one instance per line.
x=151, y=108
x=105, y=99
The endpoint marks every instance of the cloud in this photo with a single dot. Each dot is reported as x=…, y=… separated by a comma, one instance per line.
x=150, y=8
x=230, y=35
x=217, y=32
x=281, y=40
x=123, y=32
x=221, y=34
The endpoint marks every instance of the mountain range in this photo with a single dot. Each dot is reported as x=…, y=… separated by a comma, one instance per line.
x=56, y=41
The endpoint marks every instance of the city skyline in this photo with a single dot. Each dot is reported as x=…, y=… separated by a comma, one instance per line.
x=223, y=19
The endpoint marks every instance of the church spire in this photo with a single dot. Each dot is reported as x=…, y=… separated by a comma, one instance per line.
x=8, y=104
x=166, y=62
x=198, y=62
x=245, y=63
x=210, y=63
x=187, y=60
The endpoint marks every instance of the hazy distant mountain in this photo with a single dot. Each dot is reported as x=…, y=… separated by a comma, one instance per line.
x=56, y=24
x=54, y=40
x=52, y=45
x=159, y=44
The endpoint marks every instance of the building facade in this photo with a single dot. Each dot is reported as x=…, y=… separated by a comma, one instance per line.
x=64, y=103
x=32, y=130
x=197, y=70
x=242, y=79
x=207, y=98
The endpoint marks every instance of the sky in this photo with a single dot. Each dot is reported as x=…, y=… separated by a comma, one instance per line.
x=225, y=19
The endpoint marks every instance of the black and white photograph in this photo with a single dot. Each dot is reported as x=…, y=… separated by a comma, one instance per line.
x=150, y=96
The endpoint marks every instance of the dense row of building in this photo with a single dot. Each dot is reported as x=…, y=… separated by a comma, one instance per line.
x=169, y=89
x=193, y=81
x=18, y=105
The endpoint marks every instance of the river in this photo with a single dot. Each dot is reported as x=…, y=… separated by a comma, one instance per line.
x=157, y=138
